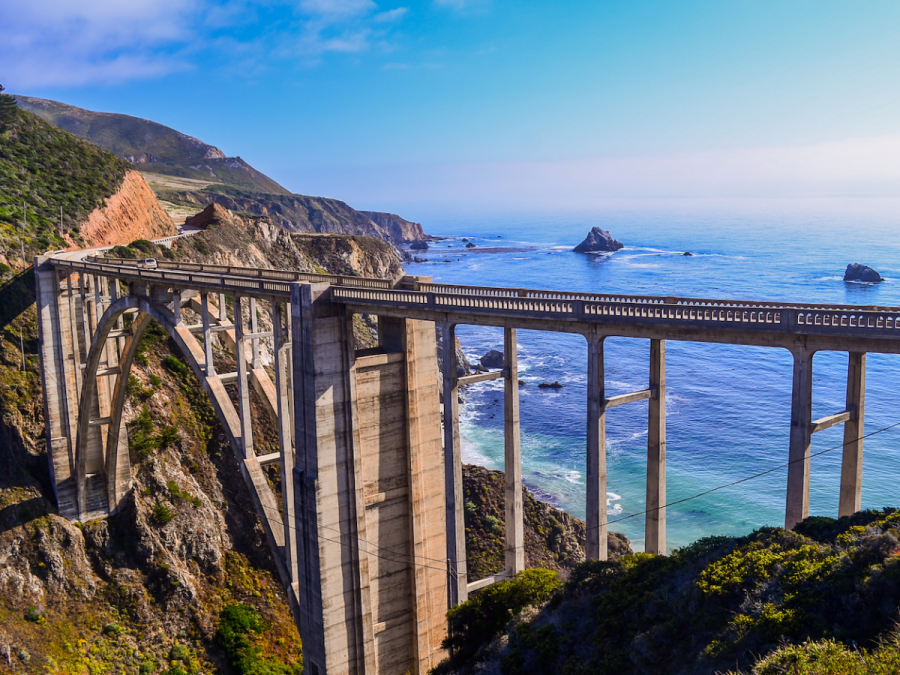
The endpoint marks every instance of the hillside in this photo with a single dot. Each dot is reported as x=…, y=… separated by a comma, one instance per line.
x=152, y=147
x=53, y=171
x=200, y=174
x=820, y=599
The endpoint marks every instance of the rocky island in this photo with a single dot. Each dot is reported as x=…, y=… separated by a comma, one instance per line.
x=857, y=272
x=598, y=241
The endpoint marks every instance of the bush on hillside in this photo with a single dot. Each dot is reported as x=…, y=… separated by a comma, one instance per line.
x=475, y=623
x=812, y=593
x=239, y=626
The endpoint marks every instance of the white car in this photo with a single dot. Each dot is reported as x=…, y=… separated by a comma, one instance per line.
x=147, y=263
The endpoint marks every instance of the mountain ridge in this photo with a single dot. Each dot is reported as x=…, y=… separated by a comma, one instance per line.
x=209, y=176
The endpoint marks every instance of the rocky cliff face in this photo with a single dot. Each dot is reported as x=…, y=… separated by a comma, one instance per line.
x=232, y=239
x=399, y=229
x=553, y=538
x=133, y=212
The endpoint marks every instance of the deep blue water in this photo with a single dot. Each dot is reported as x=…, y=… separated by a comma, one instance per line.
x=728, y=406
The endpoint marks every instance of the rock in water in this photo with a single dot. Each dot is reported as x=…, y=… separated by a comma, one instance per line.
x=470, y=245
x=493, y=359
x=550, y=385
x=688, y=254
x=419, y=246
x=857, y=272
x=598, y=240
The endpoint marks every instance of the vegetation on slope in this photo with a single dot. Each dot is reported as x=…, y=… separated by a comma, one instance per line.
x=50, y=169
x=718, y=604
x=152, y=146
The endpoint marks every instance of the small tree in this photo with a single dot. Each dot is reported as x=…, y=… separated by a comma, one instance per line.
x=8, y=109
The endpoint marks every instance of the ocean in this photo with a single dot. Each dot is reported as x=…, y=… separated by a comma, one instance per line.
x=728, y=407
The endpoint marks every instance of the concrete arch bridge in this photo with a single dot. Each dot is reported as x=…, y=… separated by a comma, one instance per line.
x=370, y=538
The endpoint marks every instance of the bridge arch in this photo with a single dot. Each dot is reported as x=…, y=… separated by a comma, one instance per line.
x=117, y=470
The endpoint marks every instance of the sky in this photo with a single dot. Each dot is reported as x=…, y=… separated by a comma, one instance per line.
x=489, y=103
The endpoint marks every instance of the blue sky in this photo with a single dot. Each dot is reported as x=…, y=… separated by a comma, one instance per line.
x=493, y=103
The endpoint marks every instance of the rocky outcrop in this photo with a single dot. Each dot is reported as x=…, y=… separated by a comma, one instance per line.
x=493, y=359
x=401, y=231
x=232, y=239
x=131, y=213
x=553, y=538
x=597, y=241
x=462, y=363
x=550, y=385
x=857, y=272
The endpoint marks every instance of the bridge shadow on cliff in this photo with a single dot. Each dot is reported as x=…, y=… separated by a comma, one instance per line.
x=16, y=295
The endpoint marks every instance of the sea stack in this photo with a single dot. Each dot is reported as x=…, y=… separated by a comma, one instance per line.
x=598, y=241
x=857, y=272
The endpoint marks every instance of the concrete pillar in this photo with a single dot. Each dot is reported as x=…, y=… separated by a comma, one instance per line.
x=282, y=349
x=243, y=382
x=58, y=399
x=515, y=518
x=596, y=453
x=73, y=342
x=176, y=306
x=210, y=367
x=254, y=328
x=852, y=464
x=797, y=506
x=655, y=533
x=453, y=485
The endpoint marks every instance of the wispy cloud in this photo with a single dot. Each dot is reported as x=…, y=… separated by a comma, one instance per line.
x=64, y=43
x=391, y=15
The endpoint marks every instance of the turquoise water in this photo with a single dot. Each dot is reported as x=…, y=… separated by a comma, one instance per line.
x=728, y=406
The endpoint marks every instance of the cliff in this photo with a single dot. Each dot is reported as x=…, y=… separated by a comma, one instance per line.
x=132, y=212
x=554, y=539
x=101, y=199
x=399, y=229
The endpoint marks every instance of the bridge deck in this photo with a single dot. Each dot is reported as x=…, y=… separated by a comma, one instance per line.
x=761, y=323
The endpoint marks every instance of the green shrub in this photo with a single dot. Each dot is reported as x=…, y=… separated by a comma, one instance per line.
x=34, y=615
x=168, y=437
x=147, y=667
x=475, y=623
x=239, y=625
x=162, y=514
x=142, y=440
x=179, y=653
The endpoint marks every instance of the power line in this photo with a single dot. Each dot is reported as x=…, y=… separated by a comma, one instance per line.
x=608, y=522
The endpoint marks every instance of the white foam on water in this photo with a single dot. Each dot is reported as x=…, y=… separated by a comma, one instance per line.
x=573, y=477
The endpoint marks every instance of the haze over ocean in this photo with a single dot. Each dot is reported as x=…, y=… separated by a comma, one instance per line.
x=728, y=407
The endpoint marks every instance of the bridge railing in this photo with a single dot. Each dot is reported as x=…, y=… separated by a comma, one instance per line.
x=698, y=313
x=703, y=314
x=255, y=272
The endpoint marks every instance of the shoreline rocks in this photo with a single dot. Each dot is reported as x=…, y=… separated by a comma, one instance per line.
x=598, y=240
x=493, y=359
x=550, y=385
x=857, y=272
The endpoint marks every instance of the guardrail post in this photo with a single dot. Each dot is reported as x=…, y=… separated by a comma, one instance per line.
x=852, y=463
x=456, y=526
x=515, y=521
x=596, y=548
x=797, y=502
x=655, y=536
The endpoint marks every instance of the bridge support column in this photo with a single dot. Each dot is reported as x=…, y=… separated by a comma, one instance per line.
x=243, y=382
x=852, y=463
x=515, y=519
x=281, y=330
x=57, y=383
x=797, y=502
x=209, y=368
x=369, y=495
x=596, y=548
x=655, y=529
x=453, y=484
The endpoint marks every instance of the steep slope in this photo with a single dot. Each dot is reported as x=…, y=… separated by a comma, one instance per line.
x=51, y=170
x=211, y=177
x=819, y=599
x=151, y=146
